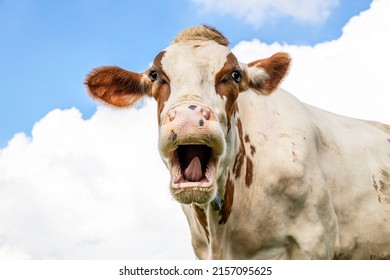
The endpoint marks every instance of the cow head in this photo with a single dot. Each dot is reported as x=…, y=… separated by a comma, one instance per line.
x=196, y=82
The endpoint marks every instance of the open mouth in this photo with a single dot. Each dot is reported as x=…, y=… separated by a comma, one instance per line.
x=193, y=166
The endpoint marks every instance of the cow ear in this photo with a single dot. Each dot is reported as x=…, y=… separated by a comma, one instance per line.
x=116, y=86
x=266, y=74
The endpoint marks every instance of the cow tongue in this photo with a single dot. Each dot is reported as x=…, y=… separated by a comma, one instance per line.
x=194, y=172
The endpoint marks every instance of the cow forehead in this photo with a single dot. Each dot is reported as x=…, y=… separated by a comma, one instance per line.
x=197, y=60
x=192, y=68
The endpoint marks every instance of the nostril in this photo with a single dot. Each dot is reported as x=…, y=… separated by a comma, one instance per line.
x=172, y=115
x=192, y=107
x=206, y=113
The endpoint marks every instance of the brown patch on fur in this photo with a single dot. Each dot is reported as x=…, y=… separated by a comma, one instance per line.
x=235, y=108
x=241, y=156
x=201, y=33
x=239, y=160
x=226, y=87
x=202, y=219
x=249, y=172
x=157, y=63
x=160, y=89
x=233, y=113
x=276, y=67
x=388, y=140
x=227, y=202
x=383, y=188
x=251, y=147
x=253, y=150
x=385, y=182
x=374, y=184
x=249, y=163
x=116, y=86
x=161, y=92
x=294, y=155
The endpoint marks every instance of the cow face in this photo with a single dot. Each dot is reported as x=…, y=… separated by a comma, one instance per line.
x=195, y=82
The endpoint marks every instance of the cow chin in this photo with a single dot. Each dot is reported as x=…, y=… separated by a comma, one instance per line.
x=195, y=195
x=193, y=169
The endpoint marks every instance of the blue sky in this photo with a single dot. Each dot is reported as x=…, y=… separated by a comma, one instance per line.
x=47, y=47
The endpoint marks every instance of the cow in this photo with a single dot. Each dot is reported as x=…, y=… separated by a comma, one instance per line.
x=259, y=174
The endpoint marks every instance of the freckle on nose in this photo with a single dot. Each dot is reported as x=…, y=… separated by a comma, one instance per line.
x=192, y=107
x=173, y=135
x=201, y=122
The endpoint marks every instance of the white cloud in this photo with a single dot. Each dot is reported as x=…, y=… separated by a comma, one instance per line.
x=97, y=188
x=89, y=189
x=257, y=12
x=348, y=76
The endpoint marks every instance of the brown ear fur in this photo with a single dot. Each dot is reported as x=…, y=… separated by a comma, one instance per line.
x=116, y=86
x=276, y=67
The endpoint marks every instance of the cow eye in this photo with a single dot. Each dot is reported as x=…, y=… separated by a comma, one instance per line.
x=153, y=75
x=236, y=76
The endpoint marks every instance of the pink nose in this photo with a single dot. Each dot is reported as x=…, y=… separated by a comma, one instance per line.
x=189, y=114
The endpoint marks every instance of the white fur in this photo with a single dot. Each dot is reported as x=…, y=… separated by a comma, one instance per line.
x=313, y=194
x=192, y=75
